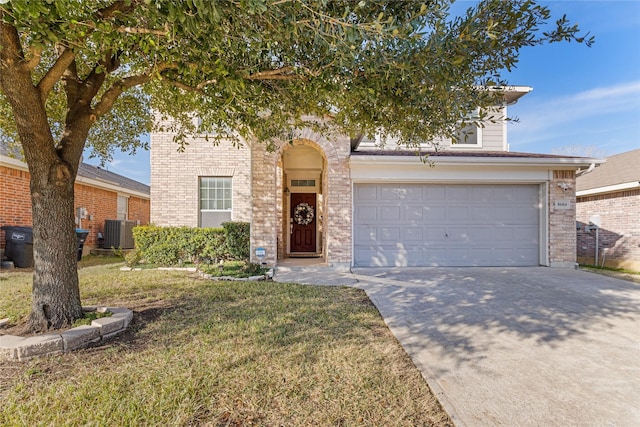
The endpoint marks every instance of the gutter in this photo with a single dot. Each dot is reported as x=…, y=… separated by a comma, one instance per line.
x=609, y=189
x=572, y=162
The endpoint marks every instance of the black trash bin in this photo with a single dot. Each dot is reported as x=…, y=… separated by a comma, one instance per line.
x=81, y=235
x=19, y=245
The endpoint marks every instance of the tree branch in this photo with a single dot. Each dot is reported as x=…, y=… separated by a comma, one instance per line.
x=283, y=73
x=111, y=95
x=11, y=52
x=138, y=30
x=182, y=86
x=36, y=54
x=56, y=72
x=118, y=6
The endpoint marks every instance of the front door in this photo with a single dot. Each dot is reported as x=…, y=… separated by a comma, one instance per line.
x=303, y=222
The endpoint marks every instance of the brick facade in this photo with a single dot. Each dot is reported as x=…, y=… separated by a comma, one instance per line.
x=619, y=233
x=175, y=178
x=562, y=229
x=15, y=204
x=259, y=184
x=268, y=228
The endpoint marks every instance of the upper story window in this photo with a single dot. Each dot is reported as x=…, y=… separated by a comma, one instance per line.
x=470, y=135
x=216, y=199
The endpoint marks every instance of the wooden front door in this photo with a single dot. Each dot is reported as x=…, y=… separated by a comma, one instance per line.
x=303, y=222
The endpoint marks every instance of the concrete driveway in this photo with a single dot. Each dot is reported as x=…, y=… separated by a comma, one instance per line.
x=517, y=346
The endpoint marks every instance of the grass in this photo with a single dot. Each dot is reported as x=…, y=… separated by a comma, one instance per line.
x=202, y=352
x=235, y=269
x=618, y=273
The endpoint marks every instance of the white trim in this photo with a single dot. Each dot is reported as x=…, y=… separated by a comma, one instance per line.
x=609, y=188
x=568, y=162
x=544, y=224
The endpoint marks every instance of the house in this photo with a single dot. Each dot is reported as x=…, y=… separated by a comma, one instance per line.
x=609, y=197
x=99, y=195
x=355, y=203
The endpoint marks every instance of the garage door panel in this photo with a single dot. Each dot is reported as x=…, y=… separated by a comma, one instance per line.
x=366, y=192
x=457, y=214
x=365, y=235
x=434, y=193
x=446, y=225
x=413, y=234
x=413, y=214
x=366, y=213
x=457, y=194
x=390, y=213
x=434, y=214
x=389, y=235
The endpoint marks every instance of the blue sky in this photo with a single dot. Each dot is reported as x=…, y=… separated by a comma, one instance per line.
x=587, y=98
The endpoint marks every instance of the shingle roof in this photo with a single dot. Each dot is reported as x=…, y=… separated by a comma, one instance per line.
x=619, y=169
x=89, y=171
x=93, y=172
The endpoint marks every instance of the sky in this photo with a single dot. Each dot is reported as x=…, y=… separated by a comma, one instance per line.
x=585, y=100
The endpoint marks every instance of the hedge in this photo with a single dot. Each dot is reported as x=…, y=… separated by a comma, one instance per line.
x=177, y=245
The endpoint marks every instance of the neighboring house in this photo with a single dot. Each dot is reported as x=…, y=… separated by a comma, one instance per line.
x=609, y=196
x=101, y=194
x=353, y=203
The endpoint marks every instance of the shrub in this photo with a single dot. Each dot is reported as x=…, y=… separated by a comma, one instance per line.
x=177, y=245
x=238, y=239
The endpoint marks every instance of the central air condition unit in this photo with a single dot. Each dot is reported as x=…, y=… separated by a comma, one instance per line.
x=118, y=233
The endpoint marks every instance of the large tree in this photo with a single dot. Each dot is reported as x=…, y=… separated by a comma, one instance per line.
x=80, y=74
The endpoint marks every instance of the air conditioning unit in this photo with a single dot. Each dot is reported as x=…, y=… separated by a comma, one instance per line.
x=118, y=233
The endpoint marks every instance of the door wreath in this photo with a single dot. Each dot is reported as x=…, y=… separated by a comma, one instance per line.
x=303, y=214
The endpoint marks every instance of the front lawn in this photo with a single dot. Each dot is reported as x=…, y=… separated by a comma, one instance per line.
x=200, y=352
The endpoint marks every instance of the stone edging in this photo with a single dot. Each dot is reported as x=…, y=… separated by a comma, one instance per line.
x=23, y=348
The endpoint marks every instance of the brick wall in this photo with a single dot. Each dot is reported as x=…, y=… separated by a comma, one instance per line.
x=174, y=178
x=619, y=233
x=15, y=198
x=15, y=204
x=268, y=230
x=562, y=228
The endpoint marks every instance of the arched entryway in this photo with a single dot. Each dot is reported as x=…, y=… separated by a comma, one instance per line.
x=303, y=184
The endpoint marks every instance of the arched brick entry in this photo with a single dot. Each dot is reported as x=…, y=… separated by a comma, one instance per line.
x=269, y=216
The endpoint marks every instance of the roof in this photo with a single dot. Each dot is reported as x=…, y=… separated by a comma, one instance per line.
x=469, y=158
x=94, y=173
x=457, y=153
x=89, y=171
x=622, y=168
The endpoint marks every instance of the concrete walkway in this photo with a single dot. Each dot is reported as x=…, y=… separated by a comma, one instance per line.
x=512, y=346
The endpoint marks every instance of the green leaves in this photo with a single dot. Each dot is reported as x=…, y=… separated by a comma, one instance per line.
x=371, y=65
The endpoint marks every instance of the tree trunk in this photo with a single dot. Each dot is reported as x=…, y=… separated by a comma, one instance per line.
x=53, y=168
x=56, y=292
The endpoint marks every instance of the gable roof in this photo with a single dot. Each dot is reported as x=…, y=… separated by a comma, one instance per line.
x=623, y=168
x=93, y=173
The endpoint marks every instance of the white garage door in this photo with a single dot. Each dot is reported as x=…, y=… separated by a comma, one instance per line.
x=446, y=225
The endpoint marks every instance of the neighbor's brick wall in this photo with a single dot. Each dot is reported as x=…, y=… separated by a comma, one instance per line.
x=174, y=178
x=101, y=205
x=139, y=210
x=15, y=199
x=562, y=226
x=15, y=204
x=619, y=234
